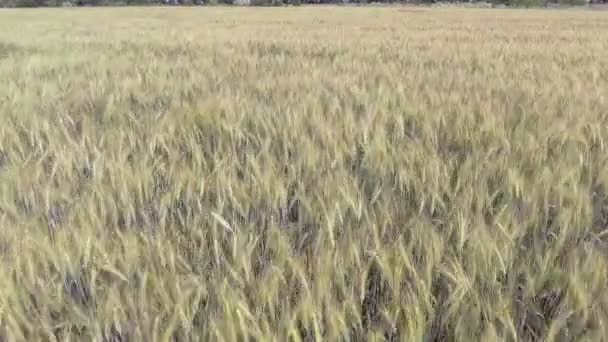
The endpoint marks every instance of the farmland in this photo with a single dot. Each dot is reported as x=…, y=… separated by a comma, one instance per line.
x=303, y=174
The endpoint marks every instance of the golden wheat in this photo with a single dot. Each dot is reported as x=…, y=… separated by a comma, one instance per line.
x=309, y=174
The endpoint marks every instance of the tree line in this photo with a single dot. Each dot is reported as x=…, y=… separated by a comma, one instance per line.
x=60, y=3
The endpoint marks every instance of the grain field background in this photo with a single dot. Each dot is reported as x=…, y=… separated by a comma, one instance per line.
x=309, y=174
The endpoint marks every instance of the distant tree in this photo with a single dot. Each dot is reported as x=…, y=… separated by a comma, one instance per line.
x=527, y=3
x=28, y=3
x=573, y=2
x=266, y=2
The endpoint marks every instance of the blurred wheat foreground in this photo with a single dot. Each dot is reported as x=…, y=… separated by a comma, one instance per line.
x=336, y=174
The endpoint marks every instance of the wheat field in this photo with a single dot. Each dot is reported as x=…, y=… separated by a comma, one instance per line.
x=303, y=174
